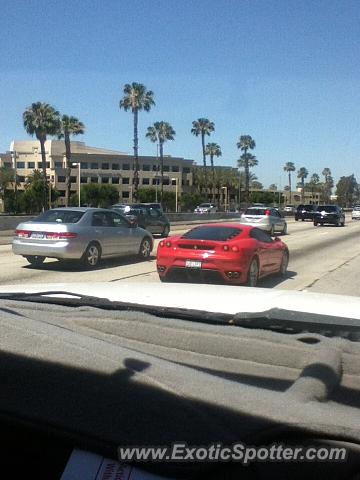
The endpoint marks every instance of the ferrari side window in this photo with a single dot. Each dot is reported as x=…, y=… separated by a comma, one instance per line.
x=260, y=235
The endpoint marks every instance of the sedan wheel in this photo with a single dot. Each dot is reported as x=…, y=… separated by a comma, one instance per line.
x=35, y=260
x=253, y=273
x=92, y=256
x=284, y=264
x=145, y=249
x=166, y=231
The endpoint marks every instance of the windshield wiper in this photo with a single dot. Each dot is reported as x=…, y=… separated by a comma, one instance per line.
x=274, y=319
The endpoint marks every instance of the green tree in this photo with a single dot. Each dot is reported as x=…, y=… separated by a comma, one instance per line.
x=147, y=195
x=289, y=167
x=314, y=184
x=347, y=190
x=189, y=201
x=32, y=198
x=256, y=185
x=136, y=98
x=302, y=175
x=213, y=150
x=41, y=119
x=160, y=133
x=328, y=184
x=246, y=143
x=273, y=186
x=7, y=177
x=202, y=127
x=69, y=126
x=96, y=195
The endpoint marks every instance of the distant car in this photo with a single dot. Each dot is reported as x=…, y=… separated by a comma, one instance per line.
x=289, y=208
x=266, y=218
x=86, y=234
x=305, y=212
x=221, y=253
x=355, y=214
x=329, y=214
x=150, y=218
x=206, y=208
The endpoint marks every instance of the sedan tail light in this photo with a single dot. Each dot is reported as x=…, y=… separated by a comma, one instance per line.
x=22, y=233
x=60, y=235
x=267, y=212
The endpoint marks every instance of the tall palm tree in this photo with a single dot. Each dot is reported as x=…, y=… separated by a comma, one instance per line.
x=213, y=150
x=328, y=184
x=246, y=143
x=289, y=167
x=202, y=126
x=136, y=98
x=41, y=119
x=247, y=161
x=314, y=183
x=302, y=174
x=69, y=126
x=160, y=132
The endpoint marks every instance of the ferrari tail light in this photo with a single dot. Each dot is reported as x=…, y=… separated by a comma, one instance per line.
x=22, y=233
x=166, y=243
x=267, y=212
x=226, y=248
x=234, y=248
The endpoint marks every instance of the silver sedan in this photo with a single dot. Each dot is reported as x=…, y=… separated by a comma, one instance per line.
x=86, y=234
x=265, y=218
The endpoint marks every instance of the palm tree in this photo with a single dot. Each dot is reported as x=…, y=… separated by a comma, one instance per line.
x=302, y=174
x=161, y=132
x=213, y=150
x=328, y=184
x=313, y=183
x=289, y=167
x=69, y=126
x=136, y=98
x=202, y=126
x=246, y=143
x=41, y=119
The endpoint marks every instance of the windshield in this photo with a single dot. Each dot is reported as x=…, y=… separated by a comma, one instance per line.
x=185, y=177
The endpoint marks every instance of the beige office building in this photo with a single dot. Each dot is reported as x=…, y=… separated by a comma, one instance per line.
x=98, y=165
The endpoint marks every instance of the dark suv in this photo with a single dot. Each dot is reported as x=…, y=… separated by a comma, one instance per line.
x=147, y=216
x=305, y=212
x=331, y=214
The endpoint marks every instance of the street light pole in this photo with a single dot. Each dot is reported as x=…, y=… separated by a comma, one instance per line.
x=79, y=183
x=176, y=193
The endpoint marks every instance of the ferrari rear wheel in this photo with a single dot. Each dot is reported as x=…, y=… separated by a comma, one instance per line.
x=253, y=273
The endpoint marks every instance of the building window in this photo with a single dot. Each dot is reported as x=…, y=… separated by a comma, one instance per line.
x=61, y=179
x=73, y=179
x=94, y=179
x=175, y=168
x=47, y=164
x=115, y=166
x=125, y=194
x=146, y=168
x=83, y=179
x=31, y=165
x=186, y=170
x=156, y=168
x=94, y=166
x=20, y=164
x=166, y=181
x=115, y=180
x=126, y=166
x=57, y=165
x=156, y=181
x=104, y=179
x=105, y=166
x=84, y=165
x=126, y=181
x=173, y=182
x=166, y=168
x=146, y=181
x=21, y=179
x=62, y=193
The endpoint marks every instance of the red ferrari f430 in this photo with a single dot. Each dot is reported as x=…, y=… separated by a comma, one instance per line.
x=217, y=253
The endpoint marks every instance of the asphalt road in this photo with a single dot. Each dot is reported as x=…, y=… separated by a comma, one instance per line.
x=322, y=259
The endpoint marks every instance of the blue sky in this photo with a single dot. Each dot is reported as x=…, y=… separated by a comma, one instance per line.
x=285, y=72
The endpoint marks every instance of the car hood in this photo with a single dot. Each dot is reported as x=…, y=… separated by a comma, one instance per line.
x=234, y=299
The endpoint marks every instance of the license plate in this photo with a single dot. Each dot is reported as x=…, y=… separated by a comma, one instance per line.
x=37, y=235
x=192, y=264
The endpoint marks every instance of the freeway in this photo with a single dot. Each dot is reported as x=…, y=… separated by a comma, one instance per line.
x=322, y=259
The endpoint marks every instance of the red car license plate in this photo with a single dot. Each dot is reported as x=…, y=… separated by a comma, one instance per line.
x=192, y=264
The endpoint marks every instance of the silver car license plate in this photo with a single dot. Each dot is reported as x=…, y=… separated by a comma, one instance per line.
x=37, y=235
x=192, y=264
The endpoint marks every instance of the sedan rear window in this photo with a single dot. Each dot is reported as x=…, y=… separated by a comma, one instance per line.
x=326, y=208
x=255, y=211
x=219, y=234
x=59, y=216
